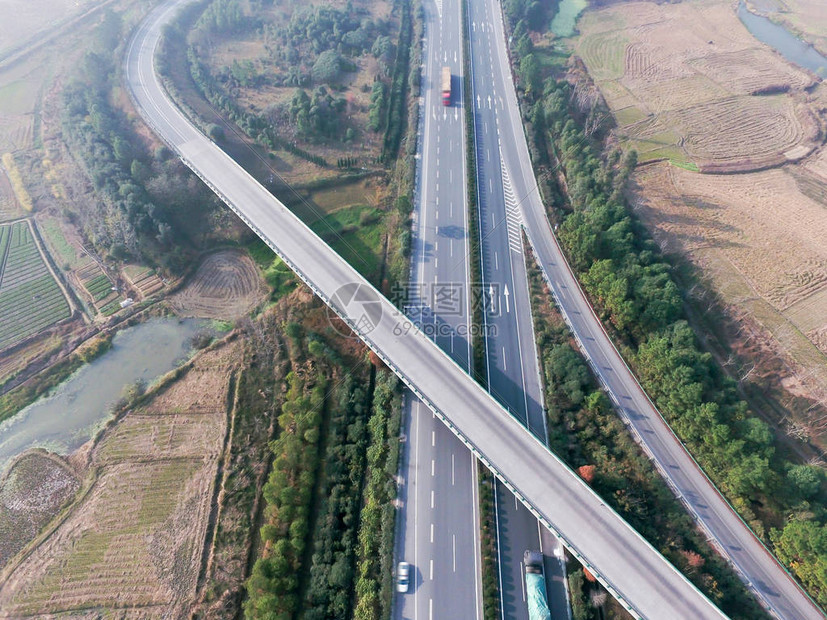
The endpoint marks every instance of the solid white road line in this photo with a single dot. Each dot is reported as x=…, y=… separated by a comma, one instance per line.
x=454, y=548
x=522, y=581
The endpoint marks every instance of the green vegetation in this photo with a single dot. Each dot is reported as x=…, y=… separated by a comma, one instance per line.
x=30, y=299
x=587, y=434
x=147, y=202
x=358, y=235
x=328, y=494
x=273, y=588
x=397, y=98
x=633, y=290
x=374, y=584
x=474, y=241
x=488, y=541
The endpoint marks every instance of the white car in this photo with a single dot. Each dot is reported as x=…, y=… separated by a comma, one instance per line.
x=403, y=577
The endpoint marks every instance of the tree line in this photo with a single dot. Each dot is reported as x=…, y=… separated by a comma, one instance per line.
x=328, y=538
x=145, y=199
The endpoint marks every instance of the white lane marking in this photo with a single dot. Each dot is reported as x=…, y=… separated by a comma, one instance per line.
x=430, y=609
x=505, y=369
x=433, y=438
x=496, y=260
x=522, y=581
x=454, y=548
x=432, y=498
x=432, y=532
x=453, y=481
x=451, y=243
x=416, y=503
x=432, y=460
x=431, y=570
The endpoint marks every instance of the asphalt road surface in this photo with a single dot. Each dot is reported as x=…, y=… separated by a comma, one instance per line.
x=633, y=570
x=511, y=352
x=438, y=524
x=765, y=576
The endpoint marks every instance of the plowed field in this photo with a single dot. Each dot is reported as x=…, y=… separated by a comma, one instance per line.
x=226, y=286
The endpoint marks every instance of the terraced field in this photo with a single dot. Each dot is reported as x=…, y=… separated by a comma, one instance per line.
x=132, y=545
x=688, y=83
x=30, y=299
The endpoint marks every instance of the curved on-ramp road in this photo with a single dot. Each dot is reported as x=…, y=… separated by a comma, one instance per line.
x=631, y=569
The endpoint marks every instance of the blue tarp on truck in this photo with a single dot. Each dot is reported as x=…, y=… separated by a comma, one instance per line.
x=535, y=586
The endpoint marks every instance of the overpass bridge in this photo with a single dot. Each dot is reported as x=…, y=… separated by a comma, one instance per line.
x=630, y=568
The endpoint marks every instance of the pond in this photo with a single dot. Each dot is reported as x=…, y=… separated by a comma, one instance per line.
x=78, y=407
x=567, y=13
x=784, y=42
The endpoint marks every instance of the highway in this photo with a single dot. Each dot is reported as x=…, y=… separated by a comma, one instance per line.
x=764, y=575
x=438, y=522
x=511, y=352
x=633, y=571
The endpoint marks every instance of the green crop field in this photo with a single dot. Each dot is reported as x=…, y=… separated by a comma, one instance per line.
x=30, y=299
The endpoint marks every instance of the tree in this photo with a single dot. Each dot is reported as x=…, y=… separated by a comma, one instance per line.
x=327, y=67
x=805, y=480
x=530, y=73
x=803, y=546
x=586, y=472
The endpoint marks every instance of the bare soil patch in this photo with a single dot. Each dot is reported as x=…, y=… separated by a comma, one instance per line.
x=134, y=541
x=687, y=82
x=226, y=285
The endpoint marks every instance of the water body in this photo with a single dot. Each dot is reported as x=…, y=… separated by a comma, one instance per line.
x=784, y=42
x=567, y=13
x=65, y=420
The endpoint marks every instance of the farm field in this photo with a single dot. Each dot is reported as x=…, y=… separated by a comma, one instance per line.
x=158, y=463
x=32, y=491
x=34, y=16
x=764, y=254
x=688, y=83
x=225, y=286
x=30, y=299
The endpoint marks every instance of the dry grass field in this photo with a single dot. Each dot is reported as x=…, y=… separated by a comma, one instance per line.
x=226, y=286
x=760, y=240
x=132, y=544
x=687, y=82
